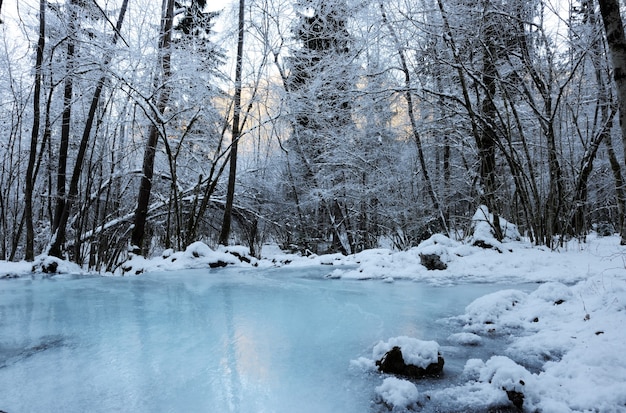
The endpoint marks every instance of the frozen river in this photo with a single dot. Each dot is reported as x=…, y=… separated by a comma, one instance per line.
x=229, y=340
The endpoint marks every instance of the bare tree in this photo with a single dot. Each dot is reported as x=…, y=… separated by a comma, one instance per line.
x=30, y=176
x=236, y=131
x=408, y=95
x=616, y=40
x=162, y=96
x=58, y=238
x=67, y=205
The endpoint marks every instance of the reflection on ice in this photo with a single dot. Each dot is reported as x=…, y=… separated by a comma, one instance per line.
x=221, y=341
x=10, y=355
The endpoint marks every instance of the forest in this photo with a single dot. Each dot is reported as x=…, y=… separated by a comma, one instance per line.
x=133, y=126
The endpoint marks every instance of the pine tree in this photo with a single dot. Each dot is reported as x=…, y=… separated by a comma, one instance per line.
x=321, y=79
x=188, y=63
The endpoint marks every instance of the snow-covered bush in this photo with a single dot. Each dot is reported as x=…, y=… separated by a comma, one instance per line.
x=483, y=229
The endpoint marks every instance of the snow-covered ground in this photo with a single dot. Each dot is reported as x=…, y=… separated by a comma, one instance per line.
x=566, y=339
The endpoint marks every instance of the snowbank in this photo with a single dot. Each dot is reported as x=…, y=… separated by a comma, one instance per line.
x=564, y=353
x=572, y=337
x=518, y=262
x=483, y=229
x=398, y=394
x=466, y=339
x=196, y=255
x=43, y=265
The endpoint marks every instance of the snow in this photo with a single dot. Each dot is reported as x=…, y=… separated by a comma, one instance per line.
x=196, y=255
x=398, y=393
x=419, y=353
x=39, y=266
x=565, y=345
x=482, y=229
x=517, y=262
x=466, y=339
x=562, y=339
x=565, y=340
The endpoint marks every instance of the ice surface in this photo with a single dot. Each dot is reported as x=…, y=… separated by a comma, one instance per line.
x=228, y=340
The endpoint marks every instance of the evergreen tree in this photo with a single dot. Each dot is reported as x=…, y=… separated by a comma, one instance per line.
x=322, y=76
x=189, y=63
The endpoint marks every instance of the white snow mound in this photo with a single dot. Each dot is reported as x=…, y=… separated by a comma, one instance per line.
x=397, y=393
x=419, y=353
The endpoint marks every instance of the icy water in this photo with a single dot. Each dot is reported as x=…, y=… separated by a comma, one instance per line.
x=228, y=340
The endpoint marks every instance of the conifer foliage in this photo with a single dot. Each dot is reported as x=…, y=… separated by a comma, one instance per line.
x=320, y=83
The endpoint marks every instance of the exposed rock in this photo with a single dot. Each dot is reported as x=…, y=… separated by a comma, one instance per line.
x=516, y=397
x=218, y=264
x=432, y=262
x=485, y=245
x=241, y=257
x=393, y=363
x=48, y=266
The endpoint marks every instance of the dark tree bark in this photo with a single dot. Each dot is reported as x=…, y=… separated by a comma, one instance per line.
x=236, y=133
x=484, y=136
x=620, y=187
x=551, y=224
x=486, y=140
x=606, y=113
x=30, y=175
x=616, y=40
x=66, y=119
x=145, y=186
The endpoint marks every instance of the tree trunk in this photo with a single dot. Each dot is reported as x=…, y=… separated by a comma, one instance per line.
x=30, y=175
x=616, y=41
x=145, y=186
x=604, y=104
x=59, y=239
x=236, y=133
x=486, y=140
x=616, y=169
